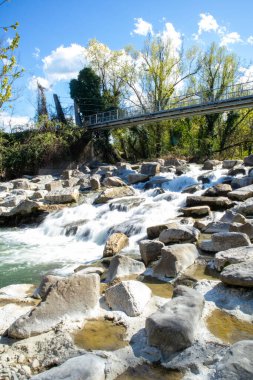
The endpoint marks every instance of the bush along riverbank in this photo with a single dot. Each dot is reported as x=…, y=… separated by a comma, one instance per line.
x=166, y=292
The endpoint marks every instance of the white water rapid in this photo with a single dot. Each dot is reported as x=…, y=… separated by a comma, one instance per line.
x=77, y=235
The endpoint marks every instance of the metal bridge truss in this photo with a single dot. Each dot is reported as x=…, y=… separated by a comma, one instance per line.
x=235, y=97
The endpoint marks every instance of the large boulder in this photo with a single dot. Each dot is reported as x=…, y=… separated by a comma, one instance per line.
x=153, y=232
x=113, y=182
x=173, y=327
x=71, y=297
x=121, y=266
x=66, y=195
x=232, y=216
x=215, y=203
x=211, y=164
x=175, y=258
x=240, y=274
x=95, y=182
x=137, y=177
x=178, y=233
x=21, y=183
x=246, y=228
x=115, y=243
x=233, y=256
x=245, y=208
x=220, y=190
x=248, y=161
x=237, y=364
x=131, y=297
x=242, y=193
x=229, y=164
x=84, y=367
x=196, y=212
x=222, y=241
x=150, y=168
x=150, y=250
x=114, y=192
x=55, y=185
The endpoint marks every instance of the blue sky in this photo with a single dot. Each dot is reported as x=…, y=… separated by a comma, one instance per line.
x=54, y=32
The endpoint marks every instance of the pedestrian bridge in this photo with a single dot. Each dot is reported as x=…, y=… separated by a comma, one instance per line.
x=235, y=97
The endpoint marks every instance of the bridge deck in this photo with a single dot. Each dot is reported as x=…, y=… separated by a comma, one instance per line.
x=182, y=108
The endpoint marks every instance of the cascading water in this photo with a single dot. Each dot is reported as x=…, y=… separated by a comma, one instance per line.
x=76, y=235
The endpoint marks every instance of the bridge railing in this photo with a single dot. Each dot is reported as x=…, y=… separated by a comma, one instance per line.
x=236, y=91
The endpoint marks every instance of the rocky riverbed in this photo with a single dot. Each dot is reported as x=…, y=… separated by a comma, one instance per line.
x=148, y=272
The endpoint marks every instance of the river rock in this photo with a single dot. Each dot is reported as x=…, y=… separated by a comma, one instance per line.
x=115, y=243
x=84, y=367
x=229, y=164
x=232, y=216
x=196, y=212
x=39, y=194
x=173, y=327
x=237, y=170
x=10, y=313
x=66, y=174
x=241, y=182
x=215, y=227
x=174, y=162
x=150, y=168
x=215, y=203
x=55, y=185
x=245, y=208
x=71, y=297
x=131, y=297
x=248, y=161
x=241, y=194
x=224, y=240
x=21, y=183
x=150, y=250
x=114, y=192
x=12, y=200
x=233, y=256
x=121, y=266
x=67, y=195
x=246, y=228
x=6, y=186
x=113, y=182
x=125, y=204
x=45, y=285
x=220, y=190
x=240, y=274
x=211, y=164
x=175, y=258
x=137, y=177
x=178, y=233
x=237, y=364
x=95, y=182
x=23, y=208
x=70, y=182
x=153, y=232
x=191, y=189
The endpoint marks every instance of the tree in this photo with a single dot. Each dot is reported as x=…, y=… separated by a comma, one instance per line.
x=9, y=70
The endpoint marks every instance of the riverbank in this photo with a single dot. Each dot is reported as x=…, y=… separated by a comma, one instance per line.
x=160, y=250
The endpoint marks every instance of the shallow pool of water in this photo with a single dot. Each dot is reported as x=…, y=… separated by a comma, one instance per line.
x=199, y=272
x=159, y=288
x=228, y=328
x=150, y=372
x=100, y=335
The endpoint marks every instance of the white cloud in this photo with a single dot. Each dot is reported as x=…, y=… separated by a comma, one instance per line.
x=230, y=38
x=207, y=23
x=9, y=41
x=32, y=85
x=246, y=74
x=250, y=40
x=64, y=63
x=170, y=35
x=7, y=121
x=36, y=53
x=143, y=28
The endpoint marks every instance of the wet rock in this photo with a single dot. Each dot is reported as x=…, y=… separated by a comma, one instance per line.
x=12, y=200
x=241, y=182
x=178, y=233
x=72, y=297
x=126, y=204
x=216, y=227
x=215, y=203
x=114, y=192
x=155, y=182
x=66, y=174
x=137, y=177
x=55, y=185
x=245, y=208
x=173, y=327
x=88, y=366
x=39, y=194
x=115, y=243
x=131, y=297
x=21, y=183
x=246, y=228
x=241, y=194
x=67, y=195
x=240, y=274
x=211, y=164
x=174, y=162
x=113, y=182
x=231, y=216
x=150, y=250
x=196, y=212
x=191, y=189
x=175, y=258
x=6, y=186
x=237, y=170
x=233, y=256
x=153, y=232
x=121, y=266
x=237, y=364
x=150, y=168
x=224, y=240
x=248, y=161
x=222, y=189
x=95, y=182
x=167, y=169
x=229, y=164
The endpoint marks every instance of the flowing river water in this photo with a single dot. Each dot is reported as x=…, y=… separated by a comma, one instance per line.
x=76, y=235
